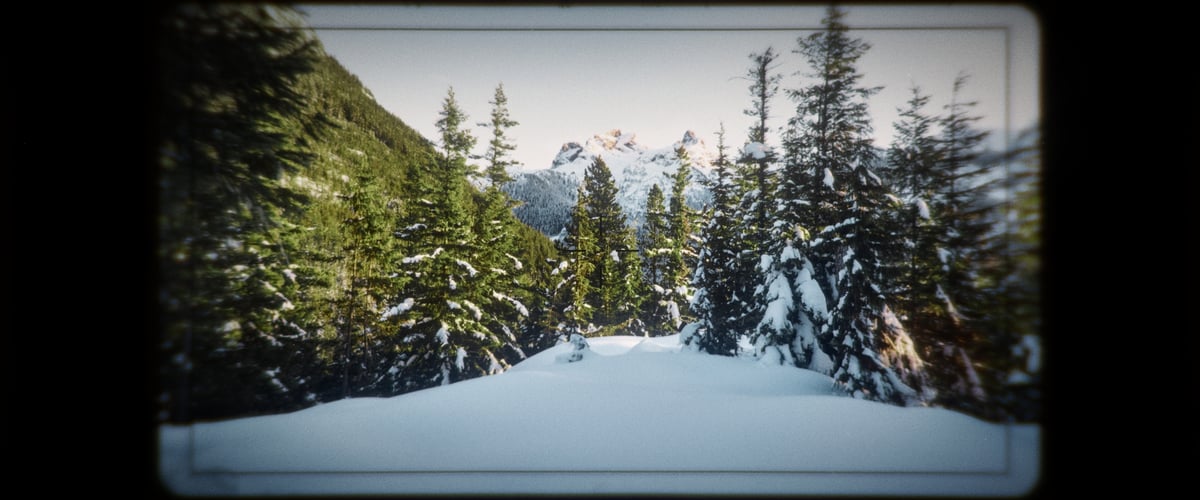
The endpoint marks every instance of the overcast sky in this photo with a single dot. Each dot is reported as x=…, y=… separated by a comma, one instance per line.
x=570, y=73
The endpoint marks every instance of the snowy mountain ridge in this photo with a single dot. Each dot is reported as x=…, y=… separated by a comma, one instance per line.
x=549, y=194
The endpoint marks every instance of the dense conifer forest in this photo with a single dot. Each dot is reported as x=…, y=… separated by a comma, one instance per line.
x=313, y=247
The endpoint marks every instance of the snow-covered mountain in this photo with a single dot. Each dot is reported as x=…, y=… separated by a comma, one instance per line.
x=549, y=194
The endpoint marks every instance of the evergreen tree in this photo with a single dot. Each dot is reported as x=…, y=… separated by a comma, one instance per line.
x=763, y=87
x=757, y=178
x=227, y=74
x=670, y=252
x=576, y=287
x=961, y=244
x=497, y=229
x=446, y=314
x=441, y=316
x=680, y=219
x=539, y=280
x=794, y=311
x=1012, y=356
x=457, y=141
x=715, y=303
x=654, y=240
x=869, y=344
x=828, y=185
x=501, y=271
x=830, y=136
x=500, y=147
x=365, y=285
x=656, y=249
x=614, y=288
x=912, y=158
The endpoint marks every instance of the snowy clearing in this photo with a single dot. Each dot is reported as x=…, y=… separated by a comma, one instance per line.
x=636, y=415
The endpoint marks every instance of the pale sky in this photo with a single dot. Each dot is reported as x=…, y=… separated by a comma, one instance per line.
x=570, y=73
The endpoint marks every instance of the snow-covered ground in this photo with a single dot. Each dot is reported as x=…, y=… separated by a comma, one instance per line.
x=635, y=415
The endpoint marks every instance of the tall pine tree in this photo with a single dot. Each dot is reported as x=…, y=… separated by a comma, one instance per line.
x=364, y=287
x=682, y=258
x=616, y=289
x=715, y=303
x=498, y=229
x=656, y=249
x=228, y=74
x=960, y=206
x=575, y=289
x=828, y=185
x=500, y=147
x=456, y=140
x=757, y=178
x=913, y=157
x=446, y=314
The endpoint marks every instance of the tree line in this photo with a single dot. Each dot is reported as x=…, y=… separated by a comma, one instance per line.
x=897, y=273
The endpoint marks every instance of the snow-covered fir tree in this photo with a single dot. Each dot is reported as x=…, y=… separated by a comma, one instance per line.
x=682, y=257
x=828, y=186
x=497, y=230
x=446, y=314
x=716, y=303
x=756, y=177
x=870, y=346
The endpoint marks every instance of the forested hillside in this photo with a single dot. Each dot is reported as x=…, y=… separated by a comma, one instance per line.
x=283, y=185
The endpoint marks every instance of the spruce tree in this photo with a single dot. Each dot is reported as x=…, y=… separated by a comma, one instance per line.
x=497, y=229
x=614, y=291
x=830, y=134
x=911, y=158
x=446, y=314
x=757, y=178
x=654, y=238
x=961, y=244
x=456, y=140
x=715, y=302
x=656, y=249
x=576, y=289
x=869, y=343
x=228, y=73
x=794, y=311
x=364, y=285
x=680, y=219
x=500, y=147
x=829, y=186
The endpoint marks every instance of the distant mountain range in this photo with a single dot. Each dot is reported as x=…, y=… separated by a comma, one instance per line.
x=548, y=195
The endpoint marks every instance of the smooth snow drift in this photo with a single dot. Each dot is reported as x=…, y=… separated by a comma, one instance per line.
x=635, y=415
